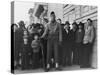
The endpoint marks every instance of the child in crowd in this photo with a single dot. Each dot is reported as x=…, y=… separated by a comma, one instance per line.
x=36, y=51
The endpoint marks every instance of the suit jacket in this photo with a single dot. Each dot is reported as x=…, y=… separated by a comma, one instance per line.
x=72, y=36
x=66, y=35
x=19, y=39
x=89, y=35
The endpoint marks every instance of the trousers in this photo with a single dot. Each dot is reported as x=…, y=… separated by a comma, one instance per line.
x=52, y=50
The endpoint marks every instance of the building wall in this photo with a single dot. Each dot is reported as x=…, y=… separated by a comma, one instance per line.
x=21, y=11
x=76, y=13
x=57, y=8
x=82, y=13
x=79, y=13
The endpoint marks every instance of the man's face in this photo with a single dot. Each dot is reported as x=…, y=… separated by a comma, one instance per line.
x=59, y=21
x=36, y=37
x=52, y=17
x=88, y=22
x=25, y=33
x=25, y=41
x=80, y=27
x=74, y=26
x=66, y=26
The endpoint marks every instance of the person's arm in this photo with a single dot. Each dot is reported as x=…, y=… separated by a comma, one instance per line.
x=92, y=34
x=45, y=32
x=60, y=33
x=83, y=35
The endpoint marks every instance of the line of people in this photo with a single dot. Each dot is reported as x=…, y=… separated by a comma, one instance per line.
x=26, y=45
x=53, y=44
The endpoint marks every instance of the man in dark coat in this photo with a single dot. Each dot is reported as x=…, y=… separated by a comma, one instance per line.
x=79, y=42
x=66, y=44
x=73, y=44
x=21, y=30
x=60, y=45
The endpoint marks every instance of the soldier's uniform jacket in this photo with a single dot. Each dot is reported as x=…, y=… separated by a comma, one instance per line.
x=54, y=31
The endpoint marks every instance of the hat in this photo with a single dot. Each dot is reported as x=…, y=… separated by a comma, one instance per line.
x=67, y=22
x=74, y=23
x=21, y=23
x=81, y=24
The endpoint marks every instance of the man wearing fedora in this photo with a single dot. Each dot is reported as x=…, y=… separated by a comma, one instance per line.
x=66, y=44
x=73, y=46
x=79, y=42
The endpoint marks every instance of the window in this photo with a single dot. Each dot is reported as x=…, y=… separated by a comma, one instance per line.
x=93, y=7
x=85, y=9
x=77, y=12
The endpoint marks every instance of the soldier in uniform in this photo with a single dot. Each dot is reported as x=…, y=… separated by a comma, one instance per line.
x=53, y=30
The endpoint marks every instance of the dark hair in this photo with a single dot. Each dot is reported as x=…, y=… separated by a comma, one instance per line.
x=13, y=25
x=33, y=25
x=52, y=13
x=74, y=23
x=36, y=34
x=89, y=20
x=62, y=24
x=21, y=24
x=67, y=22
x=37, y=25
x=46, y=20
x=81, y=24
x=59, y=19
x=29, y=26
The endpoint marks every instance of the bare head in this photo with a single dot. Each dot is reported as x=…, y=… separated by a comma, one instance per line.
x=59, y=20
x=52, y=16
x=14, y=27
x=89, y=22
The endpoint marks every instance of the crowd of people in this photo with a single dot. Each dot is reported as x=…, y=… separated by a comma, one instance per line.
x=52, y=44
